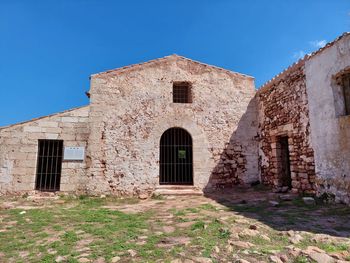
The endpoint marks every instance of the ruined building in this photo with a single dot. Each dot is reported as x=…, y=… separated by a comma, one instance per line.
x=174, y=123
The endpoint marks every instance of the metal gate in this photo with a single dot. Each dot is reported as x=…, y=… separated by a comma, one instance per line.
x=176, y=157
x=49, y=165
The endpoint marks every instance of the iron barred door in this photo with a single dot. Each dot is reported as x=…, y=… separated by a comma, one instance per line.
x=49, y=165
x=176, y=157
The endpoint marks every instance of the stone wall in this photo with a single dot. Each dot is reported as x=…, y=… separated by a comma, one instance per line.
x=19, y=147
x=132, y=107
x=283, y=111
x=330, y=129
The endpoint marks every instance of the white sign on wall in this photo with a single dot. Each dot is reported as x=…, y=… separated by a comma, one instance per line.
x=74, y=153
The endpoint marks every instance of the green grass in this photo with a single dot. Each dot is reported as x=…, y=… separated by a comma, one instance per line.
x=56, y=228
x=301, y=259
x=206, y=238
x=95, y=224
x=331, y=247
x=208, y=207
x=158, y=197
x=198, y=225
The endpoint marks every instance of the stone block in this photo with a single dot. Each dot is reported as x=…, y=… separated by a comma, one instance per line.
x=51, y=136
x=32, y=129
x=70, y=119
x=48, y=124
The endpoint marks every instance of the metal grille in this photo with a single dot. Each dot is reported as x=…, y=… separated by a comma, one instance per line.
x=176, y=157
x=182, y=92
x=346, y=91
x=49, y=165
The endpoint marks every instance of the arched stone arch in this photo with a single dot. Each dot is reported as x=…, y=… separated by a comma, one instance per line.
x=202, y=158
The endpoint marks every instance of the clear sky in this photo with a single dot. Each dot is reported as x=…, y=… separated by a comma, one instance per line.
x=49, y=48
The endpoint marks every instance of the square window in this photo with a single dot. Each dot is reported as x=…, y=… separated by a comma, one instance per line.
x=182, y=92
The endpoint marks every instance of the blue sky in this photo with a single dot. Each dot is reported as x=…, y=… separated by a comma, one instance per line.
x=48, y=49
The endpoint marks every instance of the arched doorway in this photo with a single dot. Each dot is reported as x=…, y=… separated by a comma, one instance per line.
x=176, y=157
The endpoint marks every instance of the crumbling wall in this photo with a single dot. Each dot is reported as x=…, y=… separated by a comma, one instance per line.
x=132, y=107
x=283, y=111
x=19, y=147
x=330, y=128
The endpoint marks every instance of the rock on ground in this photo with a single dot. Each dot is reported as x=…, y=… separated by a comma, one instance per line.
x=309, y=200
x=275, y=259
x=115, y=259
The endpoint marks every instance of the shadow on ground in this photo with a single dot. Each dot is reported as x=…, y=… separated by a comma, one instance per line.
x=331, y=219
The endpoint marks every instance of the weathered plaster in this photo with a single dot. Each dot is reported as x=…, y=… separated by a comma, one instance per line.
x=330, y=132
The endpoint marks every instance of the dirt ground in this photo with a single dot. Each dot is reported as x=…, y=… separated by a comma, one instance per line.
x=240, y=225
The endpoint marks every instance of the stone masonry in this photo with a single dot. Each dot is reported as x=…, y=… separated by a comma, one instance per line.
x=132, y=107
x=19, y=147
x=283, y=111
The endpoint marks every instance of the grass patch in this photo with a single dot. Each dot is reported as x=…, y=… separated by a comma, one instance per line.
x=302, y=259
x=208, y=207
x=207, y=236
x=330, y=247
x=56, y=227
x=198, y=225
x=94, y=224
x=158, y=197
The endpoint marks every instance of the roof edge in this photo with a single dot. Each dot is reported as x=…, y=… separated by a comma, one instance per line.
x=131, y=66
x=216, y=67
x=42, y=117
x=264, y=87
x=281, y=75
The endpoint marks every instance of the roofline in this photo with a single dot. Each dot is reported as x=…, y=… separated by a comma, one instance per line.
x=281, y=75
x=216, y=67
x=299, y=63
x=42, y=117
x=125, y=68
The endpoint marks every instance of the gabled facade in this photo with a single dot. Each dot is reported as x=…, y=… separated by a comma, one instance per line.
x=132, y=108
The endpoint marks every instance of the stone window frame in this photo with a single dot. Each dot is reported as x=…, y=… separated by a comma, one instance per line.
x=341, y=105
x=281, y=131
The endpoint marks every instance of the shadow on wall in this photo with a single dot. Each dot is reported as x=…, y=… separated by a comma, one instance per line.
x=234, y=183
x=237, y=164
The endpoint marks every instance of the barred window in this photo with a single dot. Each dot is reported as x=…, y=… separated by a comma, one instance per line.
x=182, y=92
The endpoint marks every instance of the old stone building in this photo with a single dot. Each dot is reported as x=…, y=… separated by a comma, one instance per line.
x=304, y=124
x=170, y=121
x=174, y=123
x=133, y=107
